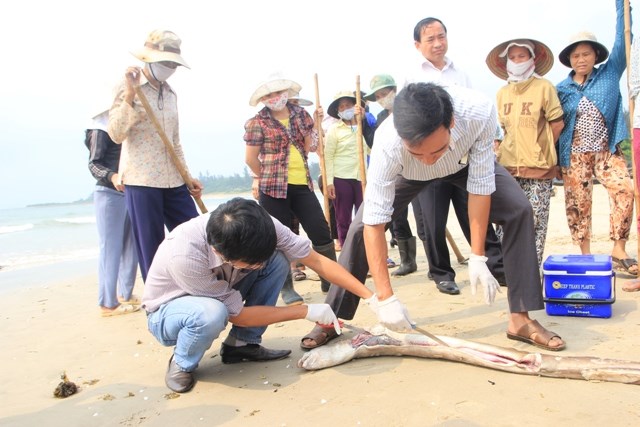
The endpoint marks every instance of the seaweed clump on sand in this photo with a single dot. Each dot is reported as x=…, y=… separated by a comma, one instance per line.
x=66, y=388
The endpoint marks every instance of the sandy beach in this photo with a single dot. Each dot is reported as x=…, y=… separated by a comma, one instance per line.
x=54, y=328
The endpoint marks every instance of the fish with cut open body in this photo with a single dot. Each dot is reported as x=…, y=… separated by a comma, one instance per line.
x=383, y=342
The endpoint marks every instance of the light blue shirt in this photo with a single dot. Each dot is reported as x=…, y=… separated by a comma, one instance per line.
x=471, y=143
x=634, y=80
x=603, y=89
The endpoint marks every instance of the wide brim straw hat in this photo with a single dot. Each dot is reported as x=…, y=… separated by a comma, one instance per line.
x=333, y=107
x=602, y=53
x=497, y=57
x=301, y=101
x=274, y=83
x=161, y=45
x=101, y=99
x=379, y=81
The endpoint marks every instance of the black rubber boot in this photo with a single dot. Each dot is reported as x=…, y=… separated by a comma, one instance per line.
x=407, y=249
x=288, y=294
x=329, y=251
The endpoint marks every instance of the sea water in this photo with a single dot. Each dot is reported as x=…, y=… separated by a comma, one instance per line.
x=42, y=244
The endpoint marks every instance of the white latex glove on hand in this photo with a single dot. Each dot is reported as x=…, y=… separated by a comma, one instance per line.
x=479, y=273
x=393, y=315
x=372, y=302
x=323, y=315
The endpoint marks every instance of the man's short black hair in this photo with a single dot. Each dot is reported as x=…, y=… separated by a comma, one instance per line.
x=417, y=30
x=241, y=230
x=420, y=109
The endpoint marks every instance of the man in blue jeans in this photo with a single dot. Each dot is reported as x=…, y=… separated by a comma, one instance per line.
x=229, y=266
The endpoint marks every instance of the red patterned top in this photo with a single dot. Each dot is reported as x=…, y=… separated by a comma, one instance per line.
x=274, y=140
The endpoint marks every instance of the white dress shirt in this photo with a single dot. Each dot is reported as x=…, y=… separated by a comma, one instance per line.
x=471, y=143
x=426, y=72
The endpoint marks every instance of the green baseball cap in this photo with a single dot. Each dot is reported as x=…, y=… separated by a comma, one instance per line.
x=379, y=81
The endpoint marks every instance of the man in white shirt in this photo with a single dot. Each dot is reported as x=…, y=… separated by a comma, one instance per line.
x=430, y=38
x=445, y=134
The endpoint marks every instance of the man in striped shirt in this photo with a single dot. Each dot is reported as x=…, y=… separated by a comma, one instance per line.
x=447, y=134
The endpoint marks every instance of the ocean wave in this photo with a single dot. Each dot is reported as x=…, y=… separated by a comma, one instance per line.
x=46, y=258
x=6, y=229
x=77, y=220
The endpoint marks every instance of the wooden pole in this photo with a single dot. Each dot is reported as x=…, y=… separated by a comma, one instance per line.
x=363, y=173
x=627, y=39
x=320, y=152
x=169, y=146
x=461, y=259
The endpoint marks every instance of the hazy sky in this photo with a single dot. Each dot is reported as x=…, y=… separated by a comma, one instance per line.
x=61, y=58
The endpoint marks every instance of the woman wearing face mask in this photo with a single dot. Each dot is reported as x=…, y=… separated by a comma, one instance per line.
x=155, y=193
x=278, y=139
x=342, y=161
x=530, y=114
x=589, y=144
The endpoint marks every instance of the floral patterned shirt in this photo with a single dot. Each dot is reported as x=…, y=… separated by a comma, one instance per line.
x=602, y=88
x=145, y=160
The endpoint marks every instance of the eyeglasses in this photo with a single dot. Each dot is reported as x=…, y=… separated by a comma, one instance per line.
x=245, y=268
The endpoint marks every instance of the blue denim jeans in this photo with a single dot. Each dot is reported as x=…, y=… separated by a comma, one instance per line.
x=191, y=323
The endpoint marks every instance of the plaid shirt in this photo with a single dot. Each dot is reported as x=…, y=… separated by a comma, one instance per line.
x=274, y=140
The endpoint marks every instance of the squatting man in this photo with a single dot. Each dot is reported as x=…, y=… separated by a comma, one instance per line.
x=229, y=266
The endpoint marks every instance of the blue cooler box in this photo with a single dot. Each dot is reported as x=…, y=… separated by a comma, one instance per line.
x=579, y=285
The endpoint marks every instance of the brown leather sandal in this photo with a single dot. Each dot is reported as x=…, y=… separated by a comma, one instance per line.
x=298, y=275
x=320, y=335
x=535, y=334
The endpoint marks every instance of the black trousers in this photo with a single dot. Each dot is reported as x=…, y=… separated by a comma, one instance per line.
x=432, y=210
x=509, y=208
x=400, y=228
x=305, y=206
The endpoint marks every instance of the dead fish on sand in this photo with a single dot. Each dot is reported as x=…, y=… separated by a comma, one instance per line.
x=383, y=342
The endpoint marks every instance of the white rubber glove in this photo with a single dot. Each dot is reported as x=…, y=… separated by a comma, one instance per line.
x=393, y=315
x=372, y=302
x=323, y=315
x=479, y=273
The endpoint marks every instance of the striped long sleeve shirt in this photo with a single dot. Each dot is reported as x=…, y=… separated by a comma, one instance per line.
x=471, y=144
x=185, y=264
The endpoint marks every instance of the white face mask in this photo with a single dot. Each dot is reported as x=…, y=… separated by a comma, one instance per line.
x=161, y=72
x=386, y=102
x=277, y=103
x=347, y=114
x=521, y=71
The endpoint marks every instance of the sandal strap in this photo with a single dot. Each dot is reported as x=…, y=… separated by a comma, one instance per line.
x=542, y=335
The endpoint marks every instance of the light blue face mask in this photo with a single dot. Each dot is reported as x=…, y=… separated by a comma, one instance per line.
x=347, y=114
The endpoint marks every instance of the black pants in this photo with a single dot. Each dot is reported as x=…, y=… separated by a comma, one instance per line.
x=509, y=208
x=432, y=211
x=399, y=227
x=305, y=206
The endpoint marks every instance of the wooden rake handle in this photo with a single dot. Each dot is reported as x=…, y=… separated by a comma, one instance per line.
x=320, y=153
x=169, y=146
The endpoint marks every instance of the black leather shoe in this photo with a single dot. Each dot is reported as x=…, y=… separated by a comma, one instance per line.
x=250, y=353
x=448, y=287
x=178, y=380
x=429, y=275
